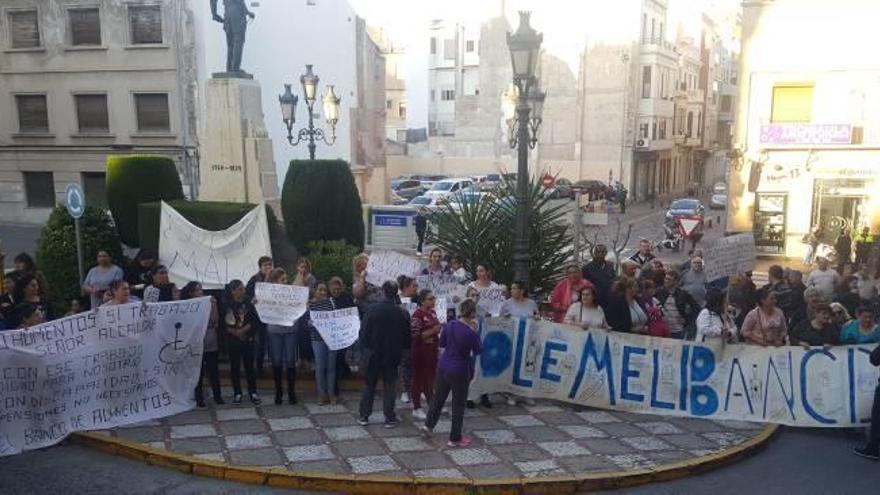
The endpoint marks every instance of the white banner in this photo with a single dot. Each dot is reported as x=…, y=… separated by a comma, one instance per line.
x=448, y=286
x=787, y=385
x=491, y=300
x=97, y=370
x=278, y=304
x=338, y=328
x=213, y=258
x=388, y=265
x=730, y=255
x=441, y=307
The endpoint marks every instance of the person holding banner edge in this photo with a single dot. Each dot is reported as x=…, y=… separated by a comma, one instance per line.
x=210, y=347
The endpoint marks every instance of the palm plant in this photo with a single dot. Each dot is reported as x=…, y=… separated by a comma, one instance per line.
x=481, y=232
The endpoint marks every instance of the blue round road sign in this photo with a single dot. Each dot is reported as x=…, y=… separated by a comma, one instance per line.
x=76, y=202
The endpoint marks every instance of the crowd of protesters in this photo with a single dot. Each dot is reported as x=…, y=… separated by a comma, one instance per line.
x=402, y=339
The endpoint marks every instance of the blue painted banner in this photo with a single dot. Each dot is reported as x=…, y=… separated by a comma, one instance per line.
x=786, y=385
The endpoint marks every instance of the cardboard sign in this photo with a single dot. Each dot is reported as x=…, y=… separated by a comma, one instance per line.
x=730, y=255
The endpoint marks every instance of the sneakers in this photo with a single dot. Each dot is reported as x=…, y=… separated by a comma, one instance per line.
x=236, y=399
x=425, y=431
x=419, y=413
x=404, y=398
x=391, y=423
x=873, y=454
x=363, y=421
x=485, y=402
x=255, y=399
x=470, y=404
x=200, y=402
x=219, y=400
x=511, y=400
x=279, y=398
x=464, y=442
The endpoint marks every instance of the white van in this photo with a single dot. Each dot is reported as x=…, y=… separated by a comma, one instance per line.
x=447, y=187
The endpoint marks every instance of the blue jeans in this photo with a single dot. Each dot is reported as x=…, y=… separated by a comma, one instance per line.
x=282, y=349
x=325, y=368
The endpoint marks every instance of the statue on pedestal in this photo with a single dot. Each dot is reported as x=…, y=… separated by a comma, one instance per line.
x=234, y=19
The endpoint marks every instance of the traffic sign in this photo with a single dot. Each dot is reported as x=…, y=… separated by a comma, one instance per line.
x=688, y=225
x=76, y=202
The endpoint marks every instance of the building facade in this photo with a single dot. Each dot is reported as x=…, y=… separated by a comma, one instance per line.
x=808, y=123
x=81, y=80
x=453, y=72
x=395, y=85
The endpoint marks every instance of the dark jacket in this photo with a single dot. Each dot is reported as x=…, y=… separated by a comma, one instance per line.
x=421, y=223
x=805, y=332
x=385, y=333
x=601, y=276
x=617, y=314
x=849, y=300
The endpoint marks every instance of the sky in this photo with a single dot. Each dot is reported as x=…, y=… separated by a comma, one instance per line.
x=565, y=23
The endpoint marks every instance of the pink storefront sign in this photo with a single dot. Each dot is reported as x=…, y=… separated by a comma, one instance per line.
x=817, y=134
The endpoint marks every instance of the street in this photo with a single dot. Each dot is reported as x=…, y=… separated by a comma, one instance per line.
x=803, y=461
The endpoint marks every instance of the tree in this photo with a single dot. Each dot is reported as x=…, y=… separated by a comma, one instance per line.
x=135, y=179
x=481, y=232
x=615, y=240
x=320, y=202
x=56, y=251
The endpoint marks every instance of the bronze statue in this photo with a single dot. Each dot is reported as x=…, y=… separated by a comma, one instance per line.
x=234, y=19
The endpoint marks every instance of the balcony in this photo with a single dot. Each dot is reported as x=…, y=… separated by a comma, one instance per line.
x=689, y=95
x=657, y=46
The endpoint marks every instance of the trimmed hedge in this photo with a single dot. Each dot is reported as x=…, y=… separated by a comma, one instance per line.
x=135, y=179
x=212, y=215
x=320, y=202
x=56, y=251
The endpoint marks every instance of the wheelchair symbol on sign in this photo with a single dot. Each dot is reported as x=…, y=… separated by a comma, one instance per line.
x=173, y=352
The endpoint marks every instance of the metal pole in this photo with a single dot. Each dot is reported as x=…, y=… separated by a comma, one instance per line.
x=521, y=256
x=311, y=134
x=79, y=255
x=624, y=119
x=578, y=226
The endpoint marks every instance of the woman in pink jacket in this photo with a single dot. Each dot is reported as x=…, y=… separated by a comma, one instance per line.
x=567, y=291
x=765, y=325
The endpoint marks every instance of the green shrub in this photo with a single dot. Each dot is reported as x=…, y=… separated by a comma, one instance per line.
x=56, y=251
x=320, y=202
x=332, y=259
x=135, y=179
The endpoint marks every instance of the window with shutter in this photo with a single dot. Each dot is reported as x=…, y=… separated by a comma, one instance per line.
x=33, y=113
x=146, y=24
x=91, y=112
x=85, y=27
x=152, y=112
x=24, y=28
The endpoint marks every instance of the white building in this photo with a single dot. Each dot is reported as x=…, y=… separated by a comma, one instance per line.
x=81, y=80
x=453, y=72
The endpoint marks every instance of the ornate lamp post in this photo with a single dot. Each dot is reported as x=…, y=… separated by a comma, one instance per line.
x=523, y=105
x=330, y=104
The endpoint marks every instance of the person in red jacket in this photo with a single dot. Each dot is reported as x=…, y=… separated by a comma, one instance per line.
x=567, y=291
x=423, y=351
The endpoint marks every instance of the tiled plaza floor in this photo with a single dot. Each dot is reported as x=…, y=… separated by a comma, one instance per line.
x=546, y=439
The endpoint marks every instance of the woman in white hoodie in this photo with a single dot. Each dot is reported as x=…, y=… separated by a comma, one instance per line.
x=713, y=322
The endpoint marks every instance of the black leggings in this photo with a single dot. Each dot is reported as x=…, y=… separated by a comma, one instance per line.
x=443, y=385
x=209, y=366
x=242, y=352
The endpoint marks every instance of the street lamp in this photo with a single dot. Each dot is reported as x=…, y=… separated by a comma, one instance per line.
x=523, y=104
x=330, y=104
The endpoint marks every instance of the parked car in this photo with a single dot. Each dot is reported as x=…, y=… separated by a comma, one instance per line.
x=687, y=207
x=596, y=189
x=718, y=202
x=424, y=202
x=397, y=199
x=456, y=201
x=490, y=182
x=428, y=180
x=719, y=188
x=446, y=187
x=562, y=189
x=408, y=188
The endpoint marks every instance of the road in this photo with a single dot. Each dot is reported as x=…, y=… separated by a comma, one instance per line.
x=802, y=461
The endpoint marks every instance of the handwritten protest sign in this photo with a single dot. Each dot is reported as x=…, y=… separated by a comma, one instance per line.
x=628, y=372
x=730, y=255
x=98, y=370
x=448, y=286
x=388, y=265
x=213, y=258
x=338, y=328
x=441, y=307
x=278, y=304
x=491, y=299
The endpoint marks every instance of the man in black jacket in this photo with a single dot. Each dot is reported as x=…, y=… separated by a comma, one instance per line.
x=600, y=273
x=421, y=224
x=266, y=266
x=385, y=333
x=871, y=450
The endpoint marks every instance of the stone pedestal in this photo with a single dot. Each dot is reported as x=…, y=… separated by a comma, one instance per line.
x=237, y=163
